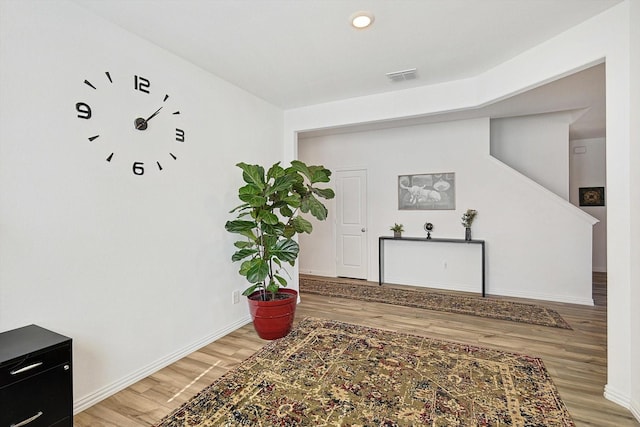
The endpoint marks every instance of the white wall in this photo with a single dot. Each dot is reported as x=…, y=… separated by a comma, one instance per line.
x=588, y=169
x=604, y=36
x=538, y=246
x=634, y=159
x=537, y=146
x=136, y=269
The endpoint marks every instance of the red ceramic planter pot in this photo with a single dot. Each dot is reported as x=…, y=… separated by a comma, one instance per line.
x=273, y=319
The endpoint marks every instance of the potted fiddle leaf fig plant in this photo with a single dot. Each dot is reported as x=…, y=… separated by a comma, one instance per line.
x=270, y=216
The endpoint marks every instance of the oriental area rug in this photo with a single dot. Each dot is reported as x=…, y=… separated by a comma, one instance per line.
x=328, y=373
x=461, y=304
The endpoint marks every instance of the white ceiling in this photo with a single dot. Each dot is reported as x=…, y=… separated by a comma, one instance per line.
x=302, y=52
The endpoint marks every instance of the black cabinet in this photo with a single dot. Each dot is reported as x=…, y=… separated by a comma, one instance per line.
x=36, y=382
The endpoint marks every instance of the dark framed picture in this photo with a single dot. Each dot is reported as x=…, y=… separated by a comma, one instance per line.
x=591, y=196
x=428, y=191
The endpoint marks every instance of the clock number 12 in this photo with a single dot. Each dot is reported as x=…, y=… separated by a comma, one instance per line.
x=141, y=84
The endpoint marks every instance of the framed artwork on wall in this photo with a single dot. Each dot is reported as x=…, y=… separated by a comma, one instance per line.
x=428, y=191
x=591, y=196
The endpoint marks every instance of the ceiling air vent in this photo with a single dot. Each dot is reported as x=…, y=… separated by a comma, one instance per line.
x=399, y=76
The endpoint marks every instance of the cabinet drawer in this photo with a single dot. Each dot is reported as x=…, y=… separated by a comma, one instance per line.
x=45, y=398
x=33, y=363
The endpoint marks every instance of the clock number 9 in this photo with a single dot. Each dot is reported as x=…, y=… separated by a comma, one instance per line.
x=84, y=111
x=138, y=168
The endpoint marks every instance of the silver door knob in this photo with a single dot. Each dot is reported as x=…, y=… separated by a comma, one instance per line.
x=363, y=230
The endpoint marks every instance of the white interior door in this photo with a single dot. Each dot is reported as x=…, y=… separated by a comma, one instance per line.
x=351, y=228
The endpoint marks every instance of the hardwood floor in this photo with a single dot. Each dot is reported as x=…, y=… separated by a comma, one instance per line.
x=576, y=360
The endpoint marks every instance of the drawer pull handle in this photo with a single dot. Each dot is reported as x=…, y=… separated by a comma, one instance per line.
x=25, y=369
x=28, y=420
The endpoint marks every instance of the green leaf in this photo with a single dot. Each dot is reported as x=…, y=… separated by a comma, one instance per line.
x=275, y=171
x=252, y=195
x=325, y=193
x=286, y=250
x=285, y=211
x=250, y=290
x=313, y=205
x=252, y=174
x=300, y=167
x=301, y=225
x=243, y=253
x=257, y=271
x=292, y=200
x=282, y=183
x=239, y=226
x=281, y=280
x=243, y=244
x=273, y=230
x=273, y=287
x=244, y=267
x=313, y=173
x=318, y=174
x=289, y=231
x=242, y=206
x=249, y=189
x=255, y=201
x=269, y=218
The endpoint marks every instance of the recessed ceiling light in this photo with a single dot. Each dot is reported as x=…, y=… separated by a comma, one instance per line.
x=361, y=20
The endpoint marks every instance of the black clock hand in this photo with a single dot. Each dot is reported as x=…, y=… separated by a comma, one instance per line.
x=141, y=124
x=154, y=114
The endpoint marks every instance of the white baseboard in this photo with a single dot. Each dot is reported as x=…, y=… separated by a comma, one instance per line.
x=623, y=400
x=635, y=409
x=616, y=396
x=541, y=296
x=91, y=399
x=317, y=272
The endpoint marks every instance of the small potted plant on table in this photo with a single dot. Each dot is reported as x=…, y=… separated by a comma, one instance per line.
x=268, y=219
x=397, y=230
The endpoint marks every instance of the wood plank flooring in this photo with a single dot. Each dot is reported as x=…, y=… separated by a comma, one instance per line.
x=576, y=360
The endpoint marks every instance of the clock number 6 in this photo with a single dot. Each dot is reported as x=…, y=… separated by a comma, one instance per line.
x=138, y=168
x=84, y=111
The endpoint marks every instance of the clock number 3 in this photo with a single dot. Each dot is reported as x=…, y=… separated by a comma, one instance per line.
x=179, y=135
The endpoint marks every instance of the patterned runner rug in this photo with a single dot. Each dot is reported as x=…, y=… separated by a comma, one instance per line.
x=428, y=299
x=328, y=373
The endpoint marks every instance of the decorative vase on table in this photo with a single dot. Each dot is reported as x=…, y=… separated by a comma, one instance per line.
x=467, y=219
x=397, y=234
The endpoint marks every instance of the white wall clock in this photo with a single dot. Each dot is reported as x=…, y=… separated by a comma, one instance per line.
x=133, y=122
